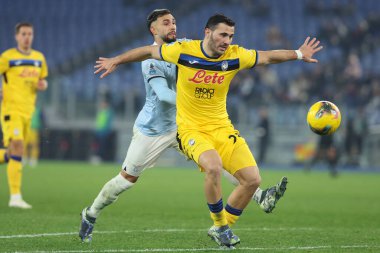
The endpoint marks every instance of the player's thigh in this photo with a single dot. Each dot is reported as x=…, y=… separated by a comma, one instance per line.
x=210, y=161
x=248, y=176
x=13, y=128
x=144, y=151
x=194, y=143
x=237, y=156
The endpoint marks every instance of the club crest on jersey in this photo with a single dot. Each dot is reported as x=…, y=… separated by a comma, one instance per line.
x=16, y=132
x=152, y=70
x=224, y=65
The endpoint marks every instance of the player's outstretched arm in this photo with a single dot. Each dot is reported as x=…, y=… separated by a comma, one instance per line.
x=305, y=53
x=108, y=65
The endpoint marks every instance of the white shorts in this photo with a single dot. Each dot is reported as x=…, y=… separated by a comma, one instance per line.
x=144, y=151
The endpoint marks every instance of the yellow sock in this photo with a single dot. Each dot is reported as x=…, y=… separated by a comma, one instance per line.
x=219, y=218
x=3, y=156
x=217, y=213
x=14, y=171
x=231, y=219
x=232, y=214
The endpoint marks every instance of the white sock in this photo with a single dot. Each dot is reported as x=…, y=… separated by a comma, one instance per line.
x=257, y=195
x=109, y=193
x=16, y=197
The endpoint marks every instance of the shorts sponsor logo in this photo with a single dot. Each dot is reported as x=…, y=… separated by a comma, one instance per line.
x=201, y=77
x=205, y=93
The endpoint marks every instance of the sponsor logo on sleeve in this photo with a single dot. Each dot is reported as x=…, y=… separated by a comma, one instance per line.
x=152, y=70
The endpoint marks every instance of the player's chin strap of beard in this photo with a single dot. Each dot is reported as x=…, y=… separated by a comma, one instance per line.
x=299, y=54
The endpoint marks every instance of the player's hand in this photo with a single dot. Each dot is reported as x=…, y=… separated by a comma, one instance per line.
x=309, y=48
x=42, y=85
x=108, y=65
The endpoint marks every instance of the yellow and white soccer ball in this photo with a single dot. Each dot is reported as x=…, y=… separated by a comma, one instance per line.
x=324, y=118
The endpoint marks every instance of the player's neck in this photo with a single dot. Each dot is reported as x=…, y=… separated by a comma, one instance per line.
x=207, y=50
x=159, y=41
x=24, y=50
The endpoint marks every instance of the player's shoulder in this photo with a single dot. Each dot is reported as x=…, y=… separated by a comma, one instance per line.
x=184, y=42
x=9, y=52
x=235, y=48
x=152, y=62
x=153, y=67
x=37, y=54
x=238, y=50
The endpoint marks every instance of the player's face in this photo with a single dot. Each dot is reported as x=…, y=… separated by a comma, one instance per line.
x=24, y=38
x=165, y=28
x=220, y=39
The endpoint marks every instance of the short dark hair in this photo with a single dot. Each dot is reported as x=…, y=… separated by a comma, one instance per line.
x=154, y=15
x=22, y=24
x=218, y=18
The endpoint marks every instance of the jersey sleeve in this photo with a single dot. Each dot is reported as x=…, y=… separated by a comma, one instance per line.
x=247, y=57
x=161, y=88
x=154, y=75
x=170, y=52
x=44, y=68
x=151, y=69
x=4, y=64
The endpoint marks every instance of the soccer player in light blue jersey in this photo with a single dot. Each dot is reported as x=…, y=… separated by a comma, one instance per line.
x=155, y=129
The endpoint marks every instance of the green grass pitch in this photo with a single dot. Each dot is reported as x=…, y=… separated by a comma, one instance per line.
x=166, y=212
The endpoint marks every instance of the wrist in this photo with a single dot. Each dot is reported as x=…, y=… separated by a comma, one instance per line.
x=117, y=60
x=299, y=54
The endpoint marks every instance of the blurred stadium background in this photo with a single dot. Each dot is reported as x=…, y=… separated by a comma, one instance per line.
x=73, y=33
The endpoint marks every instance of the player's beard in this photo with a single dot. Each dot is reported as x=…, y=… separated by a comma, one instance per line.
x=169, y=40
x=214, y=48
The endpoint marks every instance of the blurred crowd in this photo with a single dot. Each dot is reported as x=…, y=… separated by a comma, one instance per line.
x=342, y=78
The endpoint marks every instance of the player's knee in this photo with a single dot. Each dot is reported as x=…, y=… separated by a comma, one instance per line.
x=256, y=182
x=213, y=168
x=214, y=171
x=16, y=147
x=252, y=183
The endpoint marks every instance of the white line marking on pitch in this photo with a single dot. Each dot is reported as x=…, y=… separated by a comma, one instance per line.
x=169, y=230
x=208, y=249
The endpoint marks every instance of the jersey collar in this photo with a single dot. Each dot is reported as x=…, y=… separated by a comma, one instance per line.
x=204, y=53
x=23, y=53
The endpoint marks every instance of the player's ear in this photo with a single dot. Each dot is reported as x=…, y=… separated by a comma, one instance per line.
x=207, y=31
x=153, y=29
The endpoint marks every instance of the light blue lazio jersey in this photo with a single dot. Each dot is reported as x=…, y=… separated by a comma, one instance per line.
x=158, y=116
